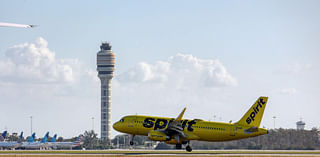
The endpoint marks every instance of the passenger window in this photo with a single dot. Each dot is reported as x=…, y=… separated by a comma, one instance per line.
x=121, y=120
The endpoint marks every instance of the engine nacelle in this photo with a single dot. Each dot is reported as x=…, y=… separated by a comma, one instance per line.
x=156, y=135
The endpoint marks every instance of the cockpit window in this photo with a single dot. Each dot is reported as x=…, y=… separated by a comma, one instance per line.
x=121, y=120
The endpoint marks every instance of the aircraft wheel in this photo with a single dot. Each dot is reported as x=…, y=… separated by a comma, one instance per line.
x=131, y=143
x=188, y=148
x=178, y=146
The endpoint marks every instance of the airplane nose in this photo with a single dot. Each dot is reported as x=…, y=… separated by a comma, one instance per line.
x=116, y=126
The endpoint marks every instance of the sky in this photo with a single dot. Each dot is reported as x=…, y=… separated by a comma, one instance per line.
x=213, y=57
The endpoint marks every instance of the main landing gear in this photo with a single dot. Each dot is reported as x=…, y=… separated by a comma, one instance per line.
x=188, y=147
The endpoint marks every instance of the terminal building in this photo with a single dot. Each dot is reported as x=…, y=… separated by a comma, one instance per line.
x=105, y=68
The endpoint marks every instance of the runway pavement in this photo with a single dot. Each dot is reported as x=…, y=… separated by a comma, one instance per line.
x=158, y=153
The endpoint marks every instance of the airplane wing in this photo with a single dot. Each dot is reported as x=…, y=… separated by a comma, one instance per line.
x=174, y=131
x=16, y=25
x=175, y=128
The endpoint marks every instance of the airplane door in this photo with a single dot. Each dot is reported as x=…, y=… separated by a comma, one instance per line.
x=233, y=130
x=133, y=124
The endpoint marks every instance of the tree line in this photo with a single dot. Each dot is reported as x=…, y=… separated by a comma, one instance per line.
x=276, y=139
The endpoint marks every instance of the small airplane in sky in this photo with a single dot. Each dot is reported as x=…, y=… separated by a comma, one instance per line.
x=2, y=24
x=180, y=131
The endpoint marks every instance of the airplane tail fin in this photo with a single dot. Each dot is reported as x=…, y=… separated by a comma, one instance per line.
x=77, y=142
x=20, y=137
x=254, y=114
x=54, y=138
x=3, y=136
x=31, y=138
x=45, y=138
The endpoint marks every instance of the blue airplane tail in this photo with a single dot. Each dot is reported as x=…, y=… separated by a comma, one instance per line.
x=20, y=137
x=3, y=135
x=31, y=138
x=45, y=138
x=54, y=138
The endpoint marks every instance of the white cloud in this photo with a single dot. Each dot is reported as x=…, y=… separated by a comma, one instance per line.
x=165, y=87
x=180, y=71
x=36, y=63
x=35, y=82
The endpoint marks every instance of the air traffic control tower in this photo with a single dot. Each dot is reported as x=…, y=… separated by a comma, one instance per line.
x=105, y=68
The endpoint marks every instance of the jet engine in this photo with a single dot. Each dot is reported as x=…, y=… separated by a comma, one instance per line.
x=157, y=135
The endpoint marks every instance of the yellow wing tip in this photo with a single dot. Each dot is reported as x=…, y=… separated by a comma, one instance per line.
x=179, y=118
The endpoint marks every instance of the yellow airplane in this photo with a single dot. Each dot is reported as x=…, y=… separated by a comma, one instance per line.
x=180, y=131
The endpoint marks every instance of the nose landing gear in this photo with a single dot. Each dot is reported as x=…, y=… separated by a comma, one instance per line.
x=131, y=140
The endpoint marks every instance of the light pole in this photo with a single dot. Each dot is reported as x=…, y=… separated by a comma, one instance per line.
x=92, y=123
x=274, y=122
x=31, y=124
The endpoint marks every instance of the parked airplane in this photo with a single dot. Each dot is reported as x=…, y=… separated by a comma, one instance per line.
x=31, y=138
x=31, y=144
x=3, y=136
x=52, y=141
x=2, y=24
x=68, y=145
x=54, y=138
x=180, y=131
x=12, y=144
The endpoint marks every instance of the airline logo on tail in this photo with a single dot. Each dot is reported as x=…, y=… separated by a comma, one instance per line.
x=255, y=110
x=254, y=115
x=77, y=142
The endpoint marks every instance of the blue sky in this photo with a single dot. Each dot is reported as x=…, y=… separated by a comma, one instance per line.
x=268, y=47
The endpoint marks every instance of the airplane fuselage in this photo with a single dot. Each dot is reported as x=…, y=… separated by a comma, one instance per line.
x=9, y=145
x=195, y=129
x=180, y=131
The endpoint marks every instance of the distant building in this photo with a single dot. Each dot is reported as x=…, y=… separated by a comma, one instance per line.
x=300, y=125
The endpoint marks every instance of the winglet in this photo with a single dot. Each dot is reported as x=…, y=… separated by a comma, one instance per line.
x=179, y=118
